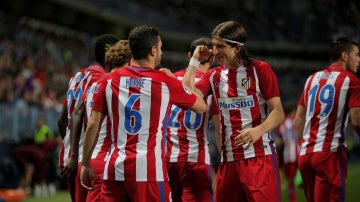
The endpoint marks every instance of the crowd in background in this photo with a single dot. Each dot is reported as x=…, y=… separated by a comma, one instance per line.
x=37, y=60
x=271, y=20
x=36, y=63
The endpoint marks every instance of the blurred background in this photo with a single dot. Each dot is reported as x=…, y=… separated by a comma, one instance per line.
x=43, y=42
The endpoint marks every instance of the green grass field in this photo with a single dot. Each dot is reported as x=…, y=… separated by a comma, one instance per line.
x=352, y=191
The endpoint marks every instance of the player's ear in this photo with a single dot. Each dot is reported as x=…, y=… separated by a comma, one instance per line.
x=344, y=56
x=189, y=55
x=238, y=47
x=153, y=50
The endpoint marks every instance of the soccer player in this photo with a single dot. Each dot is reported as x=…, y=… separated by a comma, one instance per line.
x=136, y=99
x=187, y=155
x=69, y=155
x=116, y=56
x=328, y=98
x=286, y=138
x=248, y=99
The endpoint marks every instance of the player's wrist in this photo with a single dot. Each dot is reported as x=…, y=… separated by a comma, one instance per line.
x=194, y=62
x=85, y=163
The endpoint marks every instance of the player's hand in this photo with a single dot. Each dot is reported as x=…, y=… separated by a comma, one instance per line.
x=202, y=53
x=167, y=71
x=87, y=177
x=69, y=171
x=247, y=137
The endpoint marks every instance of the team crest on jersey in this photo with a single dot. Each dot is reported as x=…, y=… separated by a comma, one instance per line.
x=246, y=83
x=186, y=89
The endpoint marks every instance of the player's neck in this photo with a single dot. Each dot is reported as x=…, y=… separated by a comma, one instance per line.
x=340, y=63
x=235, y=63
x=143, y=63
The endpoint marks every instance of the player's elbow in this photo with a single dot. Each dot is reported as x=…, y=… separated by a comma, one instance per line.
x=281, y=116
x=199, y=106
x=356, y=125
x=202, y=109
x=92, y=128
x=356, y=122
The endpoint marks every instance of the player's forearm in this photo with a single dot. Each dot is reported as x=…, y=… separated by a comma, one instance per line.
x=299, y=122
x=91, y=136
x=189, y=77
x=62, y=122
x=90, y=140
x=275, y=117
x=217, y=126
x=272, y=121
x=76, y=127
x=189, y=80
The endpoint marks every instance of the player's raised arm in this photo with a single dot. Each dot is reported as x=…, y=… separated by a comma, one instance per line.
x=201, y=53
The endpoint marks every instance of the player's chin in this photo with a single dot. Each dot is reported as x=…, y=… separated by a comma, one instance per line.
x=221, y=61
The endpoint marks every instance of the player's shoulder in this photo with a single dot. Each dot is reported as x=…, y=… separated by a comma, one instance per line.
x=216, y=70
x=95, y=69
x=261, y=64
x=180, y=73
x=353, y=78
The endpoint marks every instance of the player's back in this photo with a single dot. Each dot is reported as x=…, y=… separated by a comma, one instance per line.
x=78, y=85
x=186, y=131
x=137, y=100
x=326, y=96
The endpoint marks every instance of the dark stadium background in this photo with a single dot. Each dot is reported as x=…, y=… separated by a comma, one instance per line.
x=292, y=35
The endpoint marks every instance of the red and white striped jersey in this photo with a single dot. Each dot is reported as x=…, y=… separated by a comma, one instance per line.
x=286, y=131
x=186, y=136
x=137, y=99
x=102, y=147
x=327, y=97
x=78, y=84
x=241, y=96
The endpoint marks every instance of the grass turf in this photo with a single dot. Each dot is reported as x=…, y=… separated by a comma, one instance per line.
x=352, y=187
x=352, y=190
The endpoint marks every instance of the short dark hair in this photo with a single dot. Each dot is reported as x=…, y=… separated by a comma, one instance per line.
x=141, y=39
x=204, y=41
x=340, y=45
x=101, y=43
